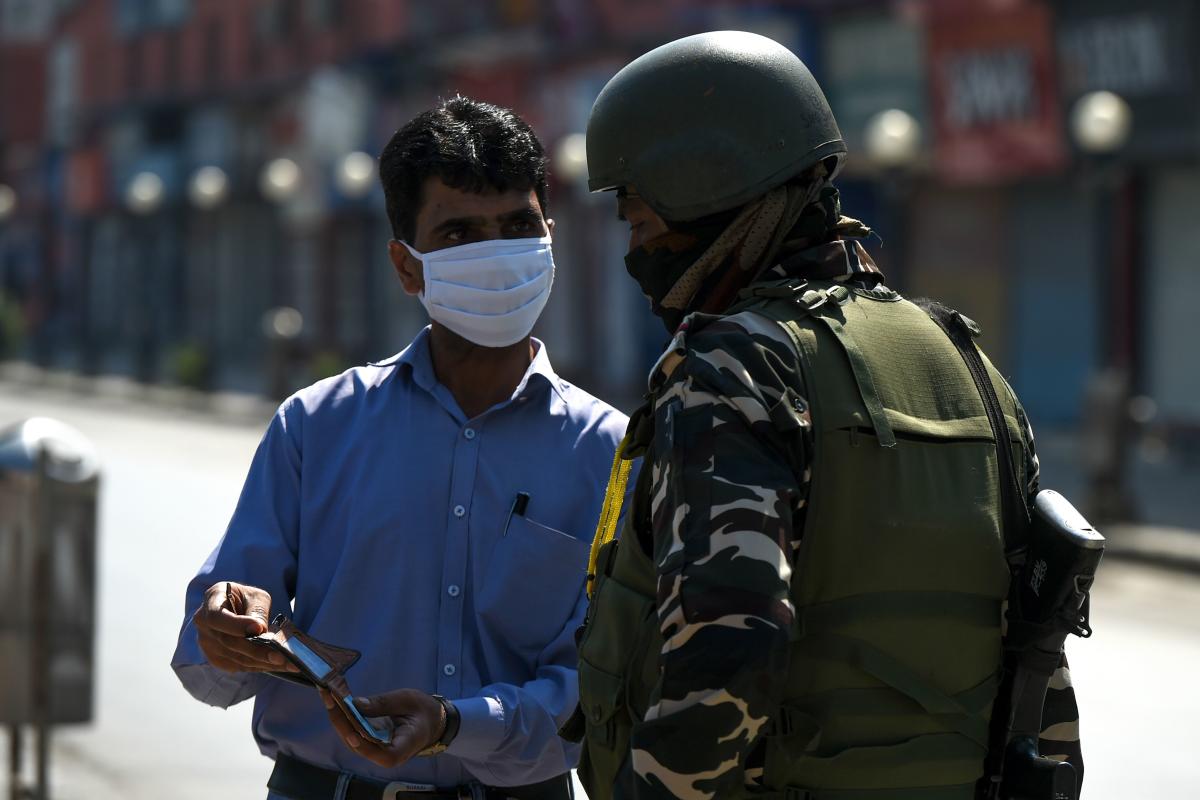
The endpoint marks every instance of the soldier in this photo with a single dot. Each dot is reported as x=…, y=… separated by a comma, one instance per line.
x=806, y=600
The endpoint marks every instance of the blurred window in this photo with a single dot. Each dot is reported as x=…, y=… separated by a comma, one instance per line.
x=277, y=19
x=214, y=52
x=164, y=125
x=170, y=79
x=323, y=13
x=132, y=17
x=134, y=58
x=63, y=95
x=169, y=13
x=25, y=20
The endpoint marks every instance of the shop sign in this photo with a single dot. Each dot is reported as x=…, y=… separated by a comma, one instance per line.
x=1143, y=52
x=994, y=96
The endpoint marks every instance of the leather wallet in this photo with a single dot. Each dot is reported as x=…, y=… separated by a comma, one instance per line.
x=321, y=665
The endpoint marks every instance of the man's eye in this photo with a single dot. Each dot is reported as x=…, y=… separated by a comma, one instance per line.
x=455, y=235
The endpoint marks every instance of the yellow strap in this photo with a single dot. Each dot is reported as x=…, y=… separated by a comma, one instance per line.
x=614, y=498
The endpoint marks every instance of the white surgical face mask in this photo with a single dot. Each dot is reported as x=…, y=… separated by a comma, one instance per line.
x=491, y=292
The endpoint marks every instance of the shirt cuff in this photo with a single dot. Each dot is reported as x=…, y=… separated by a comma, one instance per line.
x=210, y=685
x=481, y=727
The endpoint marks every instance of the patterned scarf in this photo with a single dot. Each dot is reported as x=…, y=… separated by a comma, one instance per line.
x=787, y=217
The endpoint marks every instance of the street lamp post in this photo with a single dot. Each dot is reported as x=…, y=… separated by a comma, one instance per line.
x=596, y=354
x=207, y=191
x=8, y=207
x=892, y=140
x=8, y=202
x=354, y=177
x=280, y=182
x=1100, y=124
x=143, y=197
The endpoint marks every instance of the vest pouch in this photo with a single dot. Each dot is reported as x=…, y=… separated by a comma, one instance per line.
x=615, y=619
x=928, y=767
x=613, y=643
x=601, y=696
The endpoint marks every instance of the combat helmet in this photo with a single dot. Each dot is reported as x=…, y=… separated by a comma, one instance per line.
x=709, y=122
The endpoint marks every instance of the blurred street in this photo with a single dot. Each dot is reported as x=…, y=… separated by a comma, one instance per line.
x=169, y=484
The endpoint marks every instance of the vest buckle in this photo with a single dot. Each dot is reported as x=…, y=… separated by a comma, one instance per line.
x=782, y=724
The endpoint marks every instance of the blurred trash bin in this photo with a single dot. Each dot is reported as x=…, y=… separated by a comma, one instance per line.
x=49, y=477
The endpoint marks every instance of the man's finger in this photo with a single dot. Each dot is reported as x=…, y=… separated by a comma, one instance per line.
x=248, y=606
x=388, y=704
x=248, y=661
x=226, y=621
x=341, y=723
x=249, y=601
x=406, y=743
x=250, y=656
x=224, y=659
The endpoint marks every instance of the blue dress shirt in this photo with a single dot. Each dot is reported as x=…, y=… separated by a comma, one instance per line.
x=382, y=512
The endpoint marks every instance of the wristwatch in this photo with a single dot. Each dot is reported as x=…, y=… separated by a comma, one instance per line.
x=450, y=722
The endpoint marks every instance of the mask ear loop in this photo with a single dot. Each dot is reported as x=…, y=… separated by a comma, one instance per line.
x=415, y=253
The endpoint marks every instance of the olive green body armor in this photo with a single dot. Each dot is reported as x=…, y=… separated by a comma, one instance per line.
x=899, y=581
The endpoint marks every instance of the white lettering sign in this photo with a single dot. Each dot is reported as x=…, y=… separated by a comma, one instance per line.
x=985, y=88
x=1126, y=54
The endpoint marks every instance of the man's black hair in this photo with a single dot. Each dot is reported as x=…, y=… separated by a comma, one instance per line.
x=469, y=145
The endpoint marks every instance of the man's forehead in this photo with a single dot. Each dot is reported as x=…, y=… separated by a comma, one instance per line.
x=439, y=201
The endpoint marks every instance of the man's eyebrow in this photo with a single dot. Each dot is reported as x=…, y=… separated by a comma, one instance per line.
x=459, y=222
x=520, y=214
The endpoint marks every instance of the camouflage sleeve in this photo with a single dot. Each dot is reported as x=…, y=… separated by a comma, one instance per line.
x=726, y=482
x=1060, y=712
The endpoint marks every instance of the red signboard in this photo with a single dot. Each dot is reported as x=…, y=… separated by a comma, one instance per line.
x=86, y=180
x=22, y=92
x=994, y=95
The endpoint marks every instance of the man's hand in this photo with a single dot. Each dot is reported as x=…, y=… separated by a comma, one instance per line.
x=419, y=721
x=231, y=612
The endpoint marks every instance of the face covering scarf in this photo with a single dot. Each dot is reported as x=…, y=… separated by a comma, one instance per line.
x=491, y=292
x=672, y=268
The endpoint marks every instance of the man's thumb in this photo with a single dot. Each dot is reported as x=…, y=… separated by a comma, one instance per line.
x=251, y=605
x=257, y=624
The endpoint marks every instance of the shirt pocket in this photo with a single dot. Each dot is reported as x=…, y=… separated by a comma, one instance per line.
x=531, y=584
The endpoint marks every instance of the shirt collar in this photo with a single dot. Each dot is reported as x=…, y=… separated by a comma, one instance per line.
x=420, y=366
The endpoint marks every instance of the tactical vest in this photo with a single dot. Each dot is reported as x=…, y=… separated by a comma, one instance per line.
x=896, y=645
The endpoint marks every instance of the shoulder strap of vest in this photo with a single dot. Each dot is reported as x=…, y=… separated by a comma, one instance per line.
x=1014, y=510
x=818, y=303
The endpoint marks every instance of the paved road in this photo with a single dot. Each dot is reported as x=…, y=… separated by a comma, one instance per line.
x=171, y=482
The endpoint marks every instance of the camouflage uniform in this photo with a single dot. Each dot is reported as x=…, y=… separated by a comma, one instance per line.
x=727, y=498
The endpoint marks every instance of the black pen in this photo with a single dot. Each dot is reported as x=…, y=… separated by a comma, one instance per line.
x=520, y=503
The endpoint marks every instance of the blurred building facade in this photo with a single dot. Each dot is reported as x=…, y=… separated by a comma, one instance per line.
x=1072, y=263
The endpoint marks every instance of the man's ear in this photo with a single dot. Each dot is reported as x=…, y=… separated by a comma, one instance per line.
x=550, y=227
x=408, y=268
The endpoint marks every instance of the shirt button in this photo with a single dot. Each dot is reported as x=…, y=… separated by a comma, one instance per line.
x=469, y=433
x=459, y=511
x=449, y=669
x=453, y=590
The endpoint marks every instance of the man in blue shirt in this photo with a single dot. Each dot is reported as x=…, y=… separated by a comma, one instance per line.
x=432, y=511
